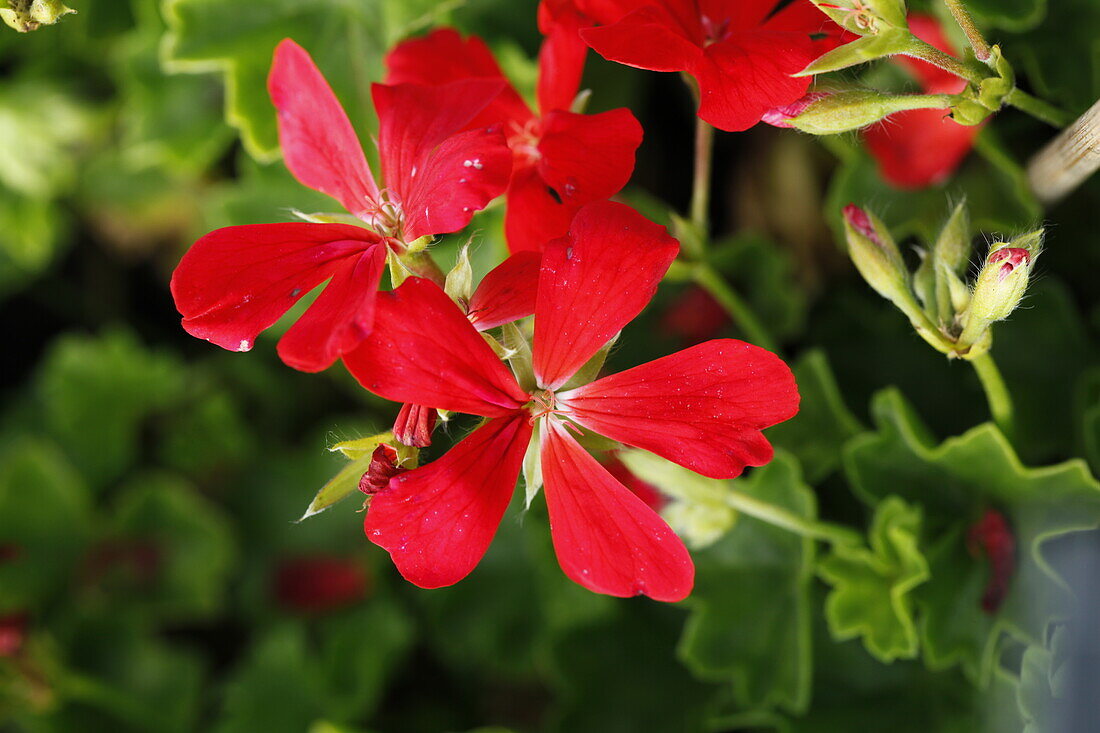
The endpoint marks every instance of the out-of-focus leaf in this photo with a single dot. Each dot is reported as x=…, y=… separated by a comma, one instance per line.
x=96, y=392
x=751, y=619
x=955, y=483
x=358, y=653
x=207, y=437
x=274, y=688
x=260, y=194
x=189, y=541
x=237, y=38
x=993, y=184
x=872, y=585
x=32, y=235
x=1065, y=34
x=45, y=519
x=765, y=274
x=1013, y=15
x=620, y=676
x=816, y=435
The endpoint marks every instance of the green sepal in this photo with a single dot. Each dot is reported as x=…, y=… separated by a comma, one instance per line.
x=346, y=481
x=27, y=15
x=860, y=51
x=872, y=586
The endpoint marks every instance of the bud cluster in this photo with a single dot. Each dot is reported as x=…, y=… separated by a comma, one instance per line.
x=950, y=314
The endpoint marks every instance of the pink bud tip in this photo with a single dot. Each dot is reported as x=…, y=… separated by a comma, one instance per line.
x=781, y=116
x=859, y=221
x=1012, y=257
x=383, y=467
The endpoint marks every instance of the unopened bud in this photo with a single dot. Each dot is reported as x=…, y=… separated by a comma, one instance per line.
x=782, y=116
x=858, y=108
x=414, y=425
x=889, y=42
x=953, y=245
x=1004, y=278
x=875, y=255
x=383, y=466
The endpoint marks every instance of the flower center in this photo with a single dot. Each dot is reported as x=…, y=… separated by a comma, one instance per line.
x=524, y=141
x=541, y=404
x=715, y=30
x=384, y=215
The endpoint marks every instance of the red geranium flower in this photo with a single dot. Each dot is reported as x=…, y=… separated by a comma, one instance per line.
x=563, y=160
x=703, y=408
x=922, y=147
x=739, y=52
x=237, y=281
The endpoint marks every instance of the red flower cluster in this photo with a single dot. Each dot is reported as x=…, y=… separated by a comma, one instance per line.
x=922, y=147
x=454, y=135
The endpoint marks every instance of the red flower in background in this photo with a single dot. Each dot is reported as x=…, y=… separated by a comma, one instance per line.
x=740, y=52
x=237, y=281
x=13, y=633
x=318, y=584
x=922, y=147
x=562, y=160
x=703, y=408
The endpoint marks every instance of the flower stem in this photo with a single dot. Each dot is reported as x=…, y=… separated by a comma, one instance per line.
x=421, y=264
x=996, y=393
x=711, y=281
x=700, y=189
x=1038, y=109
x=973, y=35
x=788, y=520
x=926, y=52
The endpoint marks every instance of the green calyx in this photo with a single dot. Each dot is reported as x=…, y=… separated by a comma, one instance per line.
x=27, y=15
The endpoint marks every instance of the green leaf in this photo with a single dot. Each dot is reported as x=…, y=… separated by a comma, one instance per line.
x=190, y=541
x=45, y=520
x=237, y=38
x=751, y=612
x=817, y=434
x=97, y=391
x=32, y=236
x=1061, y=56
x=346, y=482
x=955, y=482
x=1013, y=15
x=872, y=586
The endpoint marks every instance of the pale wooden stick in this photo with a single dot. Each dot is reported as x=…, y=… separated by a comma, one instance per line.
x=1068, y=159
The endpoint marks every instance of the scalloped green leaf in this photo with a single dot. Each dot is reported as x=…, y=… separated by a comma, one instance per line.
x=750, y=624
x=872, y=585
x=955, y=482
x=237, y=37
x=817, y=434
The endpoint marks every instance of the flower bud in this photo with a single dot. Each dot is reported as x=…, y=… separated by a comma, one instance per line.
x=887, y=43
x=782, y=116
x=383, y=466
x=1003, y=279
x=414, y=425
x=858, y=108
x=953, y=245
x=875, y=255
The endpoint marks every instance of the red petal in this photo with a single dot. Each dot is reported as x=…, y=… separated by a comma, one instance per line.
x=437, y=521
x=920, y=147
x=507, y=292
x=648, y=38
x=460, y=177
x=424, y=351
x=443, y=56
x=340, y=318
x=235, y=282
x=594, y=281
x=702, y=407
x=440, y=178
x=568, y=162
x=534, y=215
x=605, y=537
x=319, y=143
x=748, y=74
x=561, y=58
